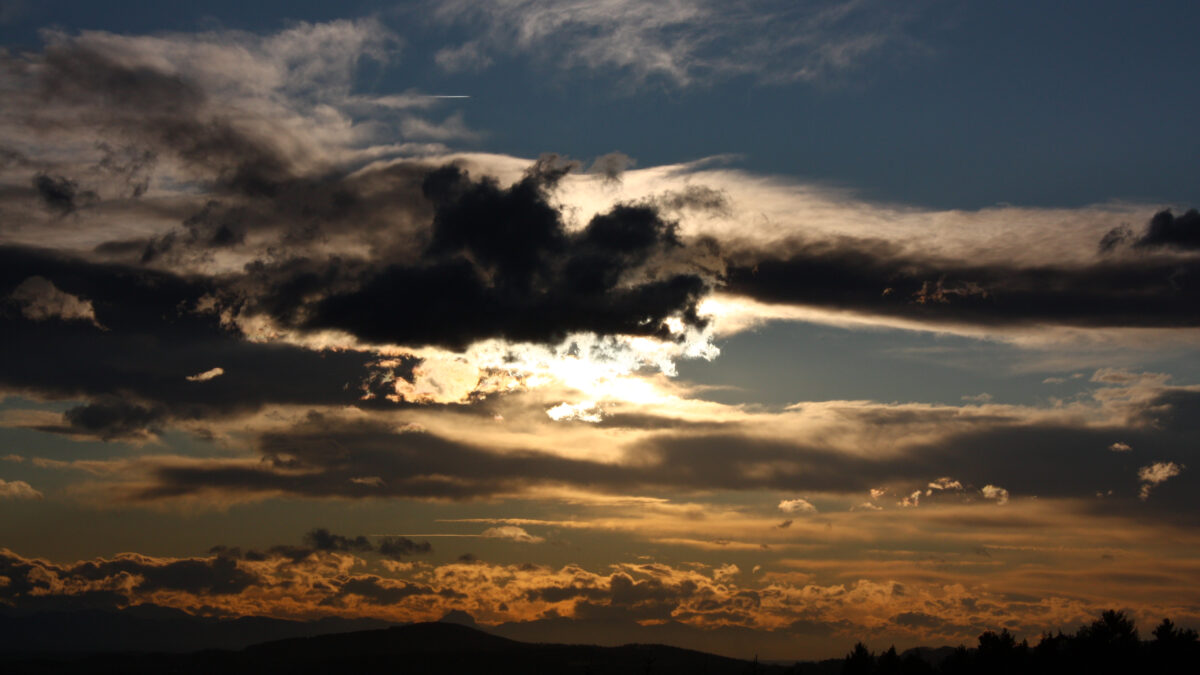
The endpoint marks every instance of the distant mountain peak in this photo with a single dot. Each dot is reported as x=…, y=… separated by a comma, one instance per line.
x=457, y=616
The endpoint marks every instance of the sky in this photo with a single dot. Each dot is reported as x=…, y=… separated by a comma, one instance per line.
x=766, y=327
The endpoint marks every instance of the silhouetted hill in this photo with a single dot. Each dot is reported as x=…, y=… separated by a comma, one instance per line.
x=413, y=638
x=934, y=656
x=731, y=641
x=152, y=629
x=1108, y=646
x=417, y=649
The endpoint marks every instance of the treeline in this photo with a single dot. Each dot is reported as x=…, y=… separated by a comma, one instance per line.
x=1108, y=645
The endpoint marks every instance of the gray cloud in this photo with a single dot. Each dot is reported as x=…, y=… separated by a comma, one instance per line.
x=319, y=459
x=876, y=277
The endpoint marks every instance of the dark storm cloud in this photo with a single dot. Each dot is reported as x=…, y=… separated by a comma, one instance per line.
x=455, y=258
x=133, y=364
x=1167, y=229
x=1164, y=231
x=110, y=418
x=500, y=263
x=402, y=547
x=395, y=548
x=58, y=193
x=451, y=259
x=216, y=576
x=321, y=540
x=877, y=278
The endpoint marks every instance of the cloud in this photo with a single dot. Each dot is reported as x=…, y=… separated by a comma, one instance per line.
x=503, y=258
x=711, y=599
x=320, y=454
x=917, y=620
x=378, y=591
x=398, y=548
x=18, y=489
x=376, y=314
x=58, y=193
x=157, y=336
x=297, y=248
x=511, y=533
x=877, y=277
x=206, y=375
x=610, y=167
x=321, y=539
x=322, y=219
x=1168, y=230
x=585, y=411
x=684, y=43
x=995, y=493
x=1155, y=474
x=797, y=505
x=945, y=483
x=111, y=417
x=469, y=56
x=1120, y=447
x=453, y=128
x=40, y=300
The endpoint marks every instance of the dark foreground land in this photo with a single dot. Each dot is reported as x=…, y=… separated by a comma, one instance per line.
x=423, y=648
x=1109, y=645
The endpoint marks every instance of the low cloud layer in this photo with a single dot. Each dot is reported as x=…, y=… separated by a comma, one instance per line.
x=876, y=277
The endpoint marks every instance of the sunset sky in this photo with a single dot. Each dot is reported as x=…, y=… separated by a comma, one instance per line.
x=776, y=324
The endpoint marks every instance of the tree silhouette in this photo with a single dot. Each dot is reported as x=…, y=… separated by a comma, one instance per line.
x=888, y=662
x=1000, y=653
x=860, y=661
x=1110, y=644
x=1174, y=650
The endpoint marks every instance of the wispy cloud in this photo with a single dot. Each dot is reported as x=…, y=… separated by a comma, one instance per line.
x=18, y=489
x=679, y=42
